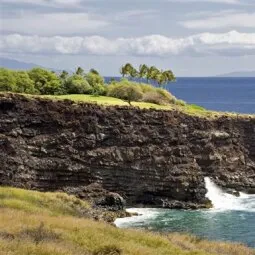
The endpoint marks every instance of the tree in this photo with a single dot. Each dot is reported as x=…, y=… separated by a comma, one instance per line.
x=152, y=73
x=7, y=80
x=23, y=83
x=161, y=78
x=76, y=84
x=134, y=73
x=96, y=82
x=123, y=71
x=79, y=71
x=45, y=81
x=126, y=91
x=64, y=75
x=169, y=75
x=94, y=71
x=128, y=70
x=143, y=70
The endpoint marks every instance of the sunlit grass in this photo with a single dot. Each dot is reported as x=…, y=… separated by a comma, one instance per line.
x=34, y=202
x=52, y=229
x=190, y=109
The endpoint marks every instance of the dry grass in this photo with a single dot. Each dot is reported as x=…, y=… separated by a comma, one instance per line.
x=50, y=230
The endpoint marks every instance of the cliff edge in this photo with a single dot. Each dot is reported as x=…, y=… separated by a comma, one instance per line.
x=149, y=157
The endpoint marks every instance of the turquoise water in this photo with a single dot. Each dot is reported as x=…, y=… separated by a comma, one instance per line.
x=231, y=219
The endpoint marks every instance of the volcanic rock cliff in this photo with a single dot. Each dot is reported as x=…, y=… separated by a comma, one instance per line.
x=149, y=157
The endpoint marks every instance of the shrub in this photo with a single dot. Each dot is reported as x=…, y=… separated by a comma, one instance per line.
x=46, y=82
x=7, y=80
x=147, y=88
x=126, y=91
x=97, y=83
x=23, y=83
x=76, y=84
x=154, y=98
x=159, y=96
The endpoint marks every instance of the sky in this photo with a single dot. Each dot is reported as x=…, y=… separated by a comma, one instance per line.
x=191, y=37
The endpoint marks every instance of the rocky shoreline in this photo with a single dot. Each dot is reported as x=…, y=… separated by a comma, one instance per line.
x=110, y=154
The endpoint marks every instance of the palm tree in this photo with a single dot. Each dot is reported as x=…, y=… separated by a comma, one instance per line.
x=161, y=78
x=94, y=71
x=169, y=75
x=143, y=70
x=152, y=73
x=79, y=71
x=63, y=75
x=123, y=71
x=133, y=73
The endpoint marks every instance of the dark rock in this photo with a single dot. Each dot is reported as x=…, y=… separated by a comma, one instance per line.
x=151, y=157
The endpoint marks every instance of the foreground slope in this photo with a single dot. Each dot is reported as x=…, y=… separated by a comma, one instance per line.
x=52, y=224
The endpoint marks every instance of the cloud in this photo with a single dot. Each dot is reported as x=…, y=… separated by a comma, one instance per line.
x=44, y=2
x=230, y=44
x=223, y=20
x=210, y=1
x=52, y=23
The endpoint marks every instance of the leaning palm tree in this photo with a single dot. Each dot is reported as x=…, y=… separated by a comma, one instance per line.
x=126, y=70
x=79, y=71
x=123, y=71
x=169, y=75
x=94, y=71
x=133, y=73
x=63, y=76
x=161, y=78
x=152, y=73
x=143, y=70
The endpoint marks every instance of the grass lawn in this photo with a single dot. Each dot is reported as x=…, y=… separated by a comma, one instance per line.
x=35, y=223
x=190, y=109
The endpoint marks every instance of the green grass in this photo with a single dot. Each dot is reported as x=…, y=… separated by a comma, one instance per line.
x=45, y=224
x=190, y=109
x=38, y=202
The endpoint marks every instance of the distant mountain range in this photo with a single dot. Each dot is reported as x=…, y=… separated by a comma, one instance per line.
x=20, y=65
x=15, y=64
x=239, y=74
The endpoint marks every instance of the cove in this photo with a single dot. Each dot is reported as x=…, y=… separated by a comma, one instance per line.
x=231, y=219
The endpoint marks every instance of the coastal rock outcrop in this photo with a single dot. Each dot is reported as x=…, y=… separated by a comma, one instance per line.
x=148, y=157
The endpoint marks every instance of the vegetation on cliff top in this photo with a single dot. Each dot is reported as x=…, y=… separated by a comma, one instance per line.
x=44, y=82
x=50, y=224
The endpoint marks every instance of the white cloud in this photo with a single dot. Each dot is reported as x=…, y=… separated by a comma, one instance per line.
x=44, y=2
x=210, y=1
x=231, y=43
x=52, y=23
x=222, y=20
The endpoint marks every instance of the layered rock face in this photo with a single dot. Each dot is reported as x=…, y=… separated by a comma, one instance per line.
x=149, y=157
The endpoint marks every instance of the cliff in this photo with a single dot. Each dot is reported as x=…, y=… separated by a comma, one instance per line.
x=149, y=157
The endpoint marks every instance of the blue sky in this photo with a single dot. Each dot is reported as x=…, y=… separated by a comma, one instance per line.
x=192, y=37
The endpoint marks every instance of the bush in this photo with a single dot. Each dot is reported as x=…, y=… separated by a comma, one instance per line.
x=159, y=96
x=147, y=88
x=97, y=83
x=76, y=84
x=154, y=98
x=126, y=91
x=46, y=82
x=23, y=83
x=7, y=80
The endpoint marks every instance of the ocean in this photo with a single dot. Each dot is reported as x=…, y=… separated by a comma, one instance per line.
x=213, y=93
x=231, y=219
x=220, y=94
